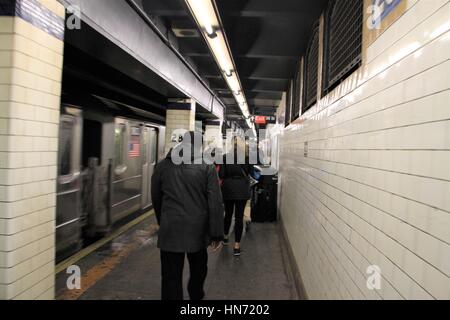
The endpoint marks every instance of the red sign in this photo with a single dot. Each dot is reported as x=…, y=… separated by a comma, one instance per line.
x=260, y=120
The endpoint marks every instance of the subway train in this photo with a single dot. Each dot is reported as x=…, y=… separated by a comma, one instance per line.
x=107, y=154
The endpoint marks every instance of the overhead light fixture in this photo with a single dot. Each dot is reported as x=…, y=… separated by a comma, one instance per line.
x=234, y=84
x=202, y=15
x=212, y=35
x=208, y=21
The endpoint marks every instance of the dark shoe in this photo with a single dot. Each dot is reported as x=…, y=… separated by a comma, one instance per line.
x=226, y=242
x=237, y=252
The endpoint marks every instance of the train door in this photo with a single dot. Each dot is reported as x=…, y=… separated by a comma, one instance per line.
x=68, y=203
x=127, y=169
x=150, y=150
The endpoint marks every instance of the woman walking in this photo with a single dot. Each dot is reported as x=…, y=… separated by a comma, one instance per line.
x=235, y=179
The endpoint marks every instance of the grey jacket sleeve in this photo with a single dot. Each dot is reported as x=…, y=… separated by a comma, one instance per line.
x=156, y=193
x=215, y=205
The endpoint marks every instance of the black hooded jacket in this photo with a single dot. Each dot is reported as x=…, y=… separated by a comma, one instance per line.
x=188, y=204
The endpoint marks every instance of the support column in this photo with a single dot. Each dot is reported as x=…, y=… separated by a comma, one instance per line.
x=179, y=119
x=31, y=61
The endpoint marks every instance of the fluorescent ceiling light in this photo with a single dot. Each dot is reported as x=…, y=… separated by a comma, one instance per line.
x=206, y=18
x=203, y=15
x=220, y=51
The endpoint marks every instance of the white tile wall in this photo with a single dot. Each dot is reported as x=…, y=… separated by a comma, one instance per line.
x=30, y=88
x=176, y=120
x=374, y=189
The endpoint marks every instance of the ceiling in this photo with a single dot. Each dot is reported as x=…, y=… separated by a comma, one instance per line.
x=266, y=38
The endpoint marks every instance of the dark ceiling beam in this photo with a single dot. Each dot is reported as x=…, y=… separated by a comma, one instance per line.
x=266, y=91
x=263, y=95
x=229, y=101
x=267, y=39
x=284, y=80
x=265, y=109
x=271, y=109
x=268, y=107
x=263, y=102
x=210, y=76
x=270, y=48
x=265, y=114
x=169, y=13
x=192, y=46
x=306, y=7
x=268, y=14
x=233, y=108
x=234, y=117
x=234, y=111
x=222, y=91
x=265, y=85
x=266, y=68
x=255, y=110
x=265, y=56
x=196, y=55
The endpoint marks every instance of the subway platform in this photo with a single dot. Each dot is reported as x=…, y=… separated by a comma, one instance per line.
x=128, y=268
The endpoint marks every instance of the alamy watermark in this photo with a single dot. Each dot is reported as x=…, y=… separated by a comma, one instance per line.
x=374, y=279
x=243, y=149
x=73, y=18
x=74, y=280
x=377, y=11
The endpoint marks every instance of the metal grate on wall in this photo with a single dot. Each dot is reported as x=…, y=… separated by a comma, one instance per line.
x=297, y=94
x=311, y=68
x=288, y=105
x=343, y=41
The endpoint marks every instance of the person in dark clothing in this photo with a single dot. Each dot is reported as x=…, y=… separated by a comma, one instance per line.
x=236, y=193
x=189, y=209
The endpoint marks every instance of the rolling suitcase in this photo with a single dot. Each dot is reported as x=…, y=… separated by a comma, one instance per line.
x=264, y=201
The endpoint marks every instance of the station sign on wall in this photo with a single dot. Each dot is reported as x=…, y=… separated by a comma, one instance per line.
x=265, y=120
x=380, y=15
x=380, y=10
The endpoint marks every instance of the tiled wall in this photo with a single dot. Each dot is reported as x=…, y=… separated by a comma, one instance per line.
x=182, y=118
x=30, y=88
x=372, y=187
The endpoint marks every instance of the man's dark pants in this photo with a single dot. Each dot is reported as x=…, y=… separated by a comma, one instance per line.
x=172, y=265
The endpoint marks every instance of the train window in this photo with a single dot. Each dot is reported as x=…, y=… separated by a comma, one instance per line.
x=311, y=73
x=343, y=41
x=65, y=148
x=92, y=141
x=119, y=143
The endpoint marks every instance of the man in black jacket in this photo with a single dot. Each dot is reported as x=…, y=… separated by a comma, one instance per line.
x=189, y=208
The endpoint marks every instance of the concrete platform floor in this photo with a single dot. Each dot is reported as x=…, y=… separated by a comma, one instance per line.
x=128, y=268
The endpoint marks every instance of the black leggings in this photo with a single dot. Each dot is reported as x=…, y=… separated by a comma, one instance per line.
x=238, y=208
